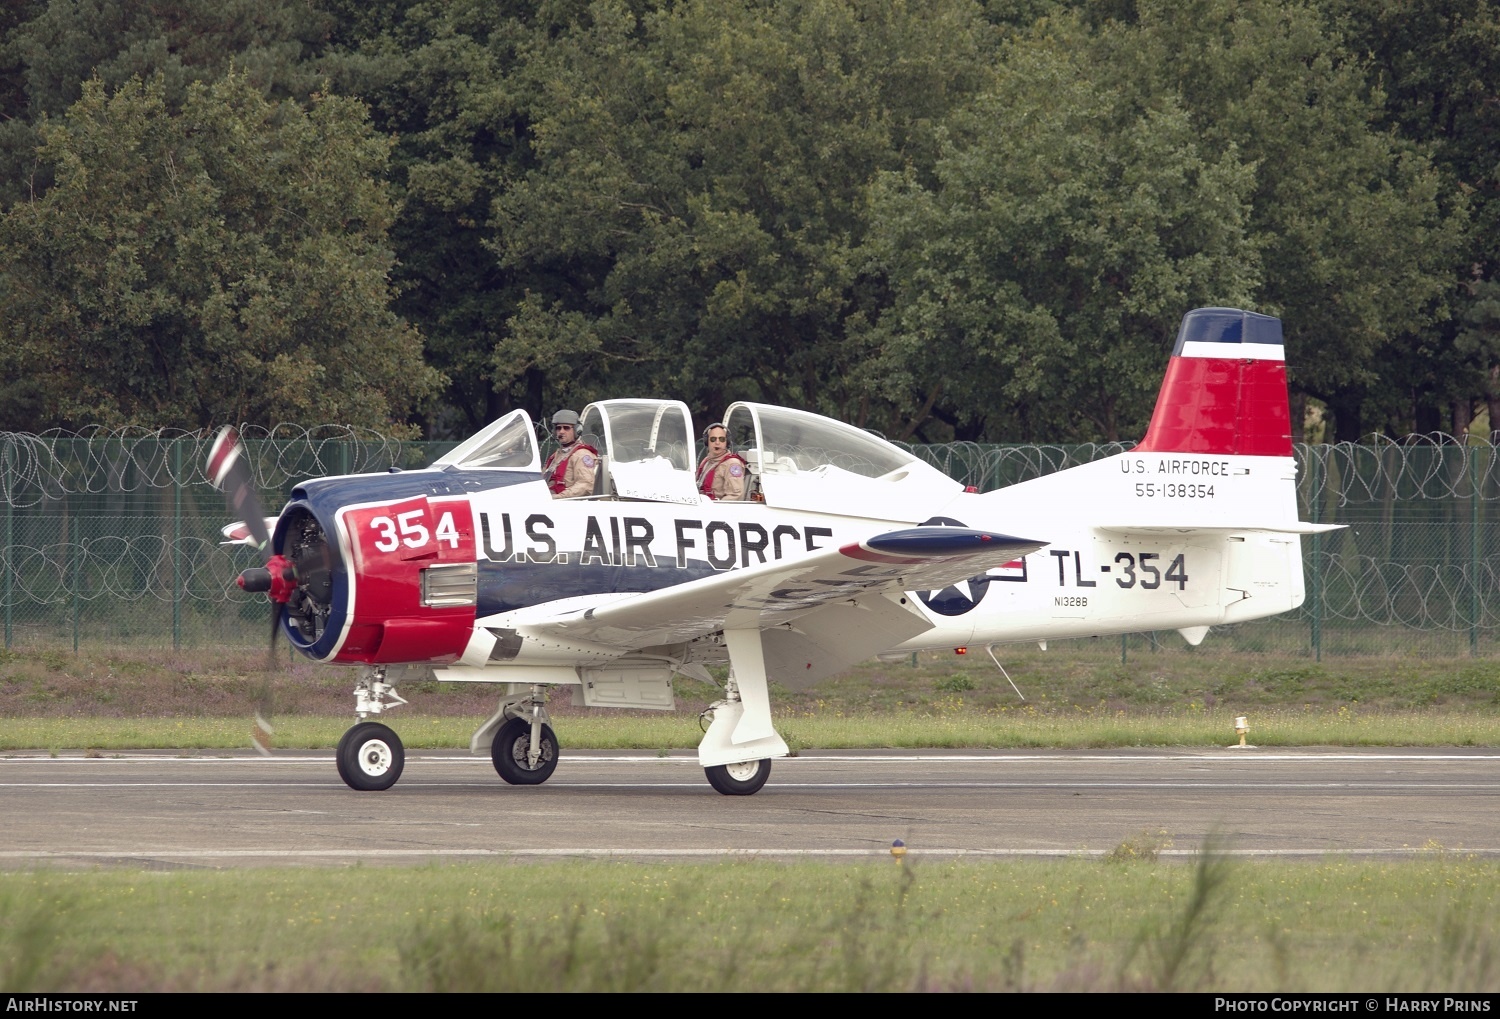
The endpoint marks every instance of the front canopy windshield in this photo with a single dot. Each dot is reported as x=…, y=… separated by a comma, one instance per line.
x=810, y=441
x=509, y=444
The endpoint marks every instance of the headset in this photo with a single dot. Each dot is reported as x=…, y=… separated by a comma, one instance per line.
x=717, y=424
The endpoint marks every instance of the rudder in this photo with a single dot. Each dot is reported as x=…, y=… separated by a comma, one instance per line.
x=1225, y=389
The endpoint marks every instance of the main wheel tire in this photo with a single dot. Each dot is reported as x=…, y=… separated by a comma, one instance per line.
x=740, y=779
x=370, y=757
x=511, y=748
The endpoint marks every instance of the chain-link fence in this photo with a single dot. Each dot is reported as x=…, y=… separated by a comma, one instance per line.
x=112, y=538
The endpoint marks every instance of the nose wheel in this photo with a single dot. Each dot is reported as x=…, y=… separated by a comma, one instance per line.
x=370, y=757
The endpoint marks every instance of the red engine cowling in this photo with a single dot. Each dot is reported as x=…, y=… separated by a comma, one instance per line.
x=412, y=581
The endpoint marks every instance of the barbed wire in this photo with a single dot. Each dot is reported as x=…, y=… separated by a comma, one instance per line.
x=50, y=465
x=1448, y=596
x=115, y=568
x=1426, y=467
x=1433, y=579
x=1350, y=588
x=35, y=467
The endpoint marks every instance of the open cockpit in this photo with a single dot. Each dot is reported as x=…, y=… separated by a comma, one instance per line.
x=649, y=451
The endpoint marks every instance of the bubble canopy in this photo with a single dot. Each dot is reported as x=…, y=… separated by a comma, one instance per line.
x=810, y=441
x=508, y=443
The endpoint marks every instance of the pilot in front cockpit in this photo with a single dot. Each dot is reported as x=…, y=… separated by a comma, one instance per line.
x=569, y=471
x=721, y=472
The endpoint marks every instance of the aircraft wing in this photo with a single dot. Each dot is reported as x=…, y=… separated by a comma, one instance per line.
x=817, y=614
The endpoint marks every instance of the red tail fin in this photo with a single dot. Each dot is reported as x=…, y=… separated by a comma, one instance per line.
x=1225, y=388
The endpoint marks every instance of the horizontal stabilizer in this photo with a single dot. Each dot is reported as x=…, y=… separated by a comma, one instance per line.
x=922, y=544
x=1291, y=527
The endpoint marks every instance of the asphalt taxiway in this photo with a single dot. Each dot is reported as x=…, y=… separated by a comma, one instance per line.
x=203, y=810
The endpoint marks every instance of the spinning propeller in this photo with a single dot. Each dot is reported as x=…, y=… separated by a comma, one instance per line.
x=297, y=585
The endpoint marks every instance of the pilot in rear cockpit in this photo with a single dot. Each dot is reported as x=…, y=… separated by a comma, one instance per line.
x=721, y=472
x=570, y=470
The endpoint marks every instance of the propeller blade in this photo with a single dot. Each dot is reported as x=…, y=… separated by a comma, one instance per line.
x=230, y=473
x=229, y=470
x=261, y=733
x=276, y=609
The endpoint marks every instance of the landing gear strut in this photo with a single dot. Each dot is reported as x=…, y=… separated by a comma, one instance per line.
x=739, y=740
x=371, y=757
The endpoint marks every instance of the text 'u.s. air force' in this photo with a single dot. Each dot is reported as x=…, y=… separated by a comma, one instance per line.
x=627, y=541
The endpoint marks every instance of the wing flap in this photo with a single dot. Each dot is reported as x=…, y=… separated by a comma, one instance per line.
x=832, y=638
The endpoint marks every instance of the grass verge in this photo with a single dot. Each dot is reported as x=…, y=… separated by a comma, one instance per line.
x=951, y=730
x=1128, y=922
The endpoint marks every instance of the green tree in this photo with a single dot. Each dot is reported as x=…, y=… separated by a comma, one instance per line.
x=689, y=215
x=54, y=46
x=1357, y=230
x=441, y=78
x=1438, y=63
x=1038, y=282
x=227, y=262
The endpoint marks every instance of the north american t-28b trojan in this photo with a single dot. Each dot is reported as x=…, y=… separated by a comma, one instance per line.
x=844, y=547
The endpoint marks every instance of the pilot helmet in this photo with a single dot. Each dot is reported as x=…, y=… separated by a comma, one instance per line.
x=566, y=417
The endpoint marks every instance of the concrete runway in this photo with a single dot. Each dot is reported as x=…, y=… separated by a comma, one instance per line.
x=168, y=811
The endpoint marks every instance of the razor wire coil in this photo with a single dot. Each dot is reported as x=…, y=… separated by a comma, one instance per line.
x=1421, y=551
x=48, y=465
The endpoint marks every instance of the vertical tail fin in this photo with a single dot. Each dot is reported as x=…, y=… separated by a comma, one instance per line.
x=1217, y=454
x=1225, y=388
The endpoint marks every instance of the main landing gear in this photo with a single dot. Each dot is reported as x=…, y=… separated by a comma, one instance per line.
x=519, y=736
x=370, y=757
x=519, y=759
x=738, y=738
x=738, y=744
x=740, y=779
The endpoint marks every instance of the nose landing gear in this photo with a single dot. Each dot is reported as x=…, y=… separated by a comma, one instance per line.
x=371, y=756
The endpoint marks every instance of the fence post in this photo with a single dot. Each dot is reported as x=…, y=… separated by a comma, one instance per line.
x=1474, y=552
x=73, y=570
x=10, y=555
x=177, y=544
x=1315, y=508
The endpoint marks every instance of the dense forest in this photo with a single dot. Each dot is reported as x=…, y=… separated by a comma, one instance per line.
x=939, y=219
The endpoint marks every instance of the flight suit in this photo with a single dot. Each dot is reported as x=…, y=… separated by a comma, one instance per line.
x=722, y=478
x=570, y=470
